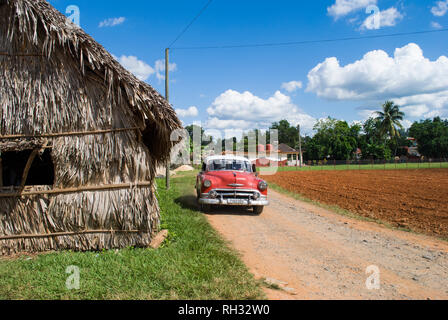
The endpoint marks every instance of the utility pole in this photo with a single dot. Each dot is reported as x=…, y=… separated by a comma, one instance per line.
x=167, y=97
x=300, y=146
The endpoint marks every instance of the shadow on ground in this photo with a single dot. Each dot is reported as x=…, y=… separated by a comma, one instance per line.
x=231, y=211
x=190, y=202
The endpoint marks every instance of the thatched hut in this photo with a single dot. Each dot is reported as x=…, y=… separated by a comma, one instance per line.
x=80, y=138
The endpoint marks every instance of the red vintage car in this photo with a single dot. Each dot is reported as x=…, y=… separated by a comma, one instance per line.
x=230, y=181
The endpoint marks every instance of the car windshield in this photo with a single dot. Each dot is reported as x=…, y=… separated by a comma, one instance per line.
x=230, y=165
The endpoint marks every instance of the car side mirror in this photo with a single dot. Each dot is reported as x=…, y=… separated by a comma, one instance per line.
x=204, y=167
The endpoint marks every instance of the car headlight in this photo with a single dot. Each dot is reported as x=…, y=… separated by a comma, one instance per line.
x=207, y=183
x=262, y=186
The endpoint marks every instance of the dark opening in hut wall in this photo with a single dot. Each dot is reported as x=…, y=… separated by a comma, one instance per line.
x=41, y=171
x=76, y=173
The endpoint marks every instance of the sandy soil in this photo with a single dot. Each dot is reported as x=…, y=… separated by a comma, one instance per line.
x=411, y=199
x=321, y=255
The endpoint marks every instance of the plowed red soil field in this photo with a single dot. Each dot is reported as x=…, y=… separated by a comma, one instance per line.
x=413, y=199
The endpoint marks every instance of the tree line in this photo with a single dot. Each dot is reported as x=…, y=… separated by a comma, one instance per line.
x=380, y=137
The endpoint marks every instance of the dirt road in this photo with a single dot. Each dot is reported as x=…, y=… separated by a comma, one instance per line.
x=317, y=254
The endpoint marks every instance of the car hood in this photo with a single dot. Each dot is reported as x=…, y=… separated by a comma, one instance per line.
x=232, y=179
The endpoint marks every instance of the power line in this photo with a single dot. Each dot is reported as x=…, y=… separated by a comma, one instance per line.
x=280, y=44
x=191, y=23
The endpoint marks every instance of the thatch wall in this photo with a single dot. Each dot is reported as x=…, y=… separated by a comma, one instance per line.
x=54, y=78
x=133, y=211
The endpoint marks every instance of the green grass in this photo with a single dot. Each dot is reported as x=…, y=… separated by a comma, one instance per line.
x=194, y=263
x=388, y=166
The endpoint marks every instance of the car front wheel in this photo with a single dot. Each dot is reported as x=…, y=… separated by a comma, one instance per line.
x=258, y=210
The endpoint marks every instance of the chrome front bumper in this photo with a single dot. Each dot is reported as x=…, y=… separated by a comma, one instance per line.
x=221, y=201
x=234, y=202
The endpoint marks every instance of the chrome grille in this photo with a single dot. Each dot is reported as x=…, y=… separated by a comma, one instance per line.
x=236, y=194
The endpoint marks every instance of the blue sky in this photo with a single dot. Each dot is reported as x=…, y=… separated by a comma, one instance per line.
x=252, y=87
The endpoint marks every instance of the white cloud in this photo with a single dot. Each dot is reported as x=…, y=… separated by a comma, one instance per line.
x=418, y=107
x=292, y=86
x=367, y=113
x=138, y=67
x=440, y=9
x=437, y=113
x=436, y=25
x=416, y=111
x=188, y=113
x=112, y=22
x=233, y=109
x=216, y=123
x=353, y=21
x=437, y=100
x=412, y=81
x=436, y=104
x=379, y=76
x=342, y=8
x=385, y=18
x=142, y=70
x=406, y=123
x=376, y=18
x=160, y=69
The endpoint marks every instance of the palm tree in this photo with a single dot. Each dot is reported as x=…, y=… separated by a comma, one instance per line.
x=389, y=120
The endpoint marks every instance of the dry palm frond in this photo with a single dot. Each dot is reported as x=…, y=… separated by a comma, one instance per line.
x=54, y=78
x=71, y=82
